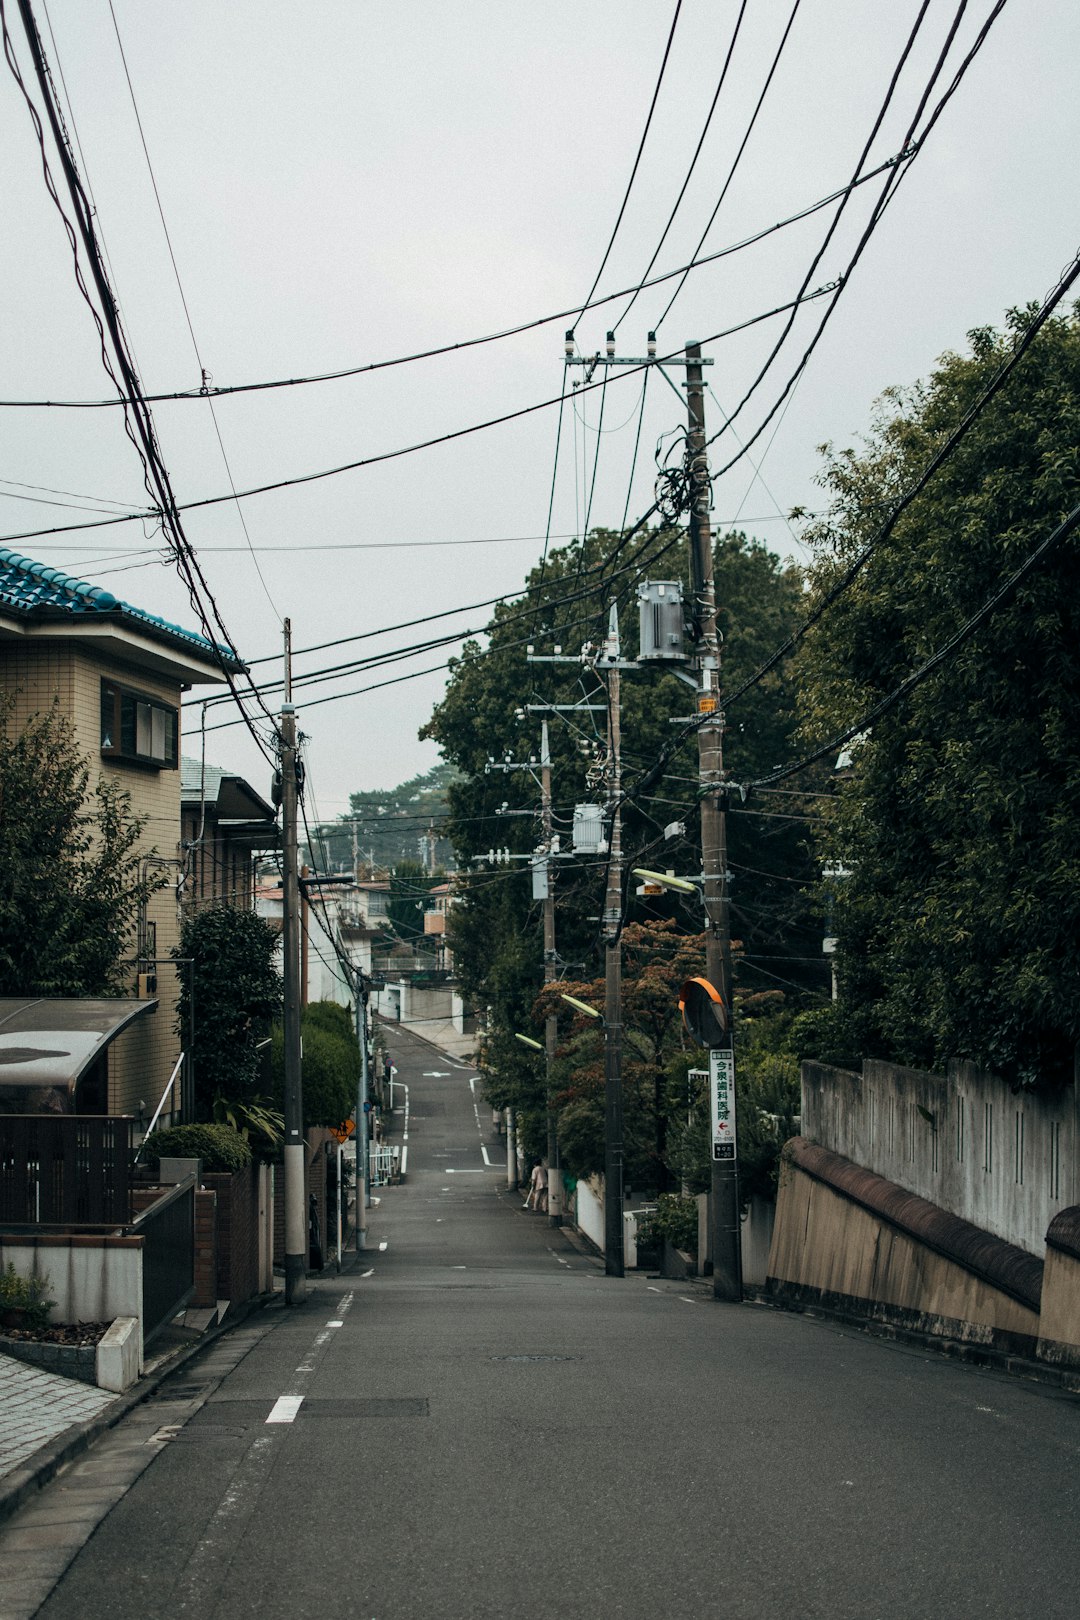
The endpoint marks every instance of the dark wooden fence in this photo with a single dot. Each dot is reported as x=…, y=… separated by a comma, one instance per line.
x=167, y=1228
x=65, y=1169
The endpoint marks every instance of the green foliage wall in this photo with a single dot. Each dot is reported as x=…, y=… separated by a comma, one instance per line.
x=959, y=924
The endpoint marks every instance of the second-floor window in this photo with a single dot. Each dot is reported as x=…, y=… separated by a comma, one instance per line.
x=137, y=727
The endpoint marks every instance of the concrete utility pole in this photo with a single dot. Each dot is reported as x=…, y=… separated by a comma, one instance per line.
x=360, y=1128
x=551, y=1023
x=295, y=1210
x=614, y=1262
x=726, y=1227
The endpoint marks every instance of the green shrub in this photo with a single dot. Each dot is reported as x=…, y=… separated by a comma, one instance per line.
x=674, y=1218
x=26, y=1294
x=218, y=1146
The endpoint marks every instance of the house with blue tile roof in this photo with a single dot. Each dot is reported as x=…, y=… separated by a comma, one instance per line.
x=117, y=673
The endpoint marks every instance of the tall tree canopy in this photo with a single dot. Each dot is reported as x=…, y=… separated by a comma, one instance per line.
x=959, y=924
x=483, y=723
x=236, y=991
x=70, y=877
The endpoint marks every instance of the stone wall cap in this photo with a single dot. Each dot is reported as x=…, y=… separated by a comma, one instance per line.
x=992, y=1259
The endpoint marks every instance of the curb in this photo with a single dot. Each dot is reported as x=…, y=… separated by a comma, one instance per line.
x=30, y=1477
x=1066, y=1380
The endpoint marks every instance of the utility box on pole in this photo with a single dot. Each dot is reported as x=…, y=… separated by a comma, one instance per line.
x=661, y=623
x=589, y=830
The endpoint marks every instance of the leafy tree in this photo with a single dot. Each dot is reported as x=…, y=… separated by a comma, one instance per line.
x=493, y=930
x=70, y=879
x=237, y=991
x=331, y=1064
x=410, y=884
x=959, y=925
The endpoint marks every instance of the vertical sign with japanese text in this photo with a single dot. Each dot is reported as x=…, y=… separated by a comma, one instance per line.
x=722, y=1088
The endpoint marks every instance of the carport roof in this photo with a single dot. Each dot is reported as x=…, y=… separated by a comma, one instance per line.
x=54, y=1040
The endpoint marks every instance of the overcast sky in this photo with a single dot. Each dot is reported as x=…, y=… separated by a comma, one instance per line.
x=349, y=182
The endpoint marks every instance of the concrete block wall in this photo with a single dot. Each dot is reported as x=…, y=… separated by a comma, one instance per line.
x=1006, y=1161
x=92, y=1277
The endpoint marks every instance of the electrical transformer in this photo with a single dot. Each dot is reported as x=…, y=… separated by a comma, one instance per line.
x=661, y=626
x=589, y=830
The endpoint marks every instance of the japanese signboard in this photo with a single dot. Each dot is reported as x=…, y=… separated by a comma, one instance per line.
x=722, y=1090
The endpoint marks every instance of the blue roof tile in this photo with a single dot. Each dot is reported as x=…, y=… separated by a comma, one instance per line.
x=27, y=587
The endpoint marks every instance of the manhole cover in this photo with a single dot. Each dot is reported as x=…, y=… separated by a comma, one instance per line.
x=535, y=1358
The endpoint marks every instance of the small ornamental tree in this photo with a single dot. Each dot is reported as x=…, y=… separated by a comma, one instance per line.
x=70, y=879
x=237, y=992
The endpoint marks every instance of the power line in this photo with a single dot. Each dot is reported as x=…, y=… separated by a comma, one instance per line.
x=693, y=162
x=218, y=391
x=737, y=159
x=637, y=160
x=138, y=421
x=184, y=302
x=403, y=450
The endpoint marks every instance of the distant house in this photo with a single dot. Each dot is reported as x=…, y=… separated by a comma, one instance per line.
x=224, y=824
x=118, y=674
x=338, y=920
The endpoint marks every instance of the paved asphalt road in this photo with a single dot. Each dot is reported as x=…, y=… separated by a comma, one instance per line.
x=489, y=1426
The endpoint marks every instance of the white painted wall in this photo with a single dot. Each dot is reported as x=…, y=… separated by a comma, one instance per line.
x=90, y=1282
x=590, y=1210
x=1006, y=1161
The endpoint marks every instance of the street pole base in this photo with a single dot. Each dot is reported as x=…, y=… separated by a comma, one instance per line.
x=295, y=1279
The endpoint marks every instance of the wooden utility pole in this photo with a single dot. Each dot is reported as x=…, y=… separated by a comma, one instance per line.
x=295, y=1166
x=551, y=1022
x=614, y=1264
x=726, y=1229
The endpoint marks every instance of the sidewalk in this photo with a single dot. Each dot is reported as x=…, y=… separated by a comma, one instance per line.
x=37, y=1406
x=47, y=1419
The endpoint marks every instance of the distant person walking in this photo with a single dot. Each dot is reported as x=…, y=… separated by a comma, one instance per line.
x=538, y=1189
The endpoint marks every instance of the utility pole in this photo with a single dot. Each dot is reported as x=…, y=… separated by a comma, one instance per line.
x=360, y=1130
x=726, y=1226
x=551, y=1023
x=609, y=664
x=295, y=1211
x=614, y=1261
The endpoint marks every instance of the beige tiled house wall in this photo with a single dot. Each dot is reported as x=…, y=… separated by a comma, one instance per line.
x=141, y=1059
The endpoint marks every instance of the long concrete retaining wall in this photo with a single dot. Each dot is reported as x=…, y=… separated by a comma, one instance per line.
x=1006, y=1161
x=848, y=1239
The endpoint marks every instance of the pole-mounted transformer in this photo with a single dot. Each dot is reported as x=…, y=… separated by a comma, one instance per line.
x=661, y=623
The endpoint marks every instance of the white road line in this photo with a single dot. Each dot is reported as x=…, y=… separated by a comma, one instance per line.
x=472, y=1084
x=687, y=1301
x=451, y=1172
x=285, y=1408
x=383, y=1246
x=404, y=1164
x=653, y=1290
x=369, y=1273
x=335, y=1324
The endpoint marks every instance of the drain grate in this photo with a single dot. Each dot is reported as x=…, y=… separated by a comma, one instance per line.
x=364, y=1407
x=177, y=1392
x=536, y=1358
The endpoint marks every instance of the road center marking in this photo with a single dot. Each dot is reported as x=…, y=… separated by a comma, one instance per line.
x=285, y=1408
